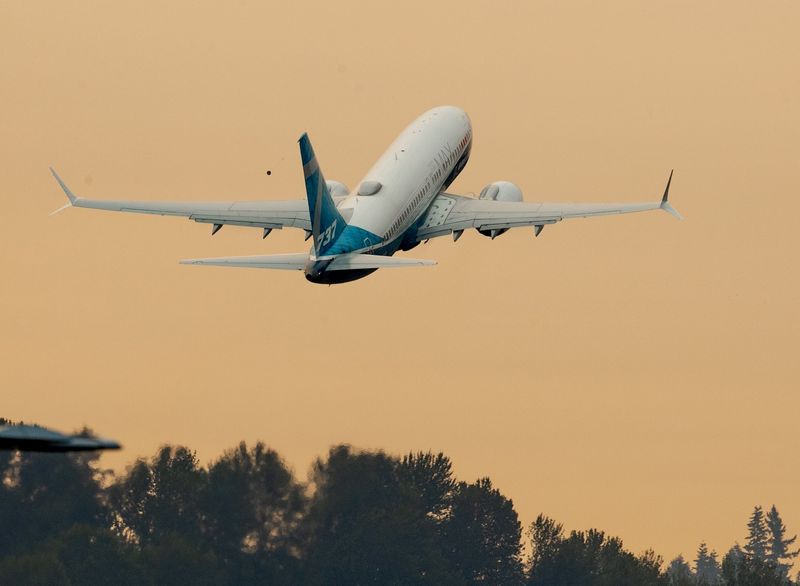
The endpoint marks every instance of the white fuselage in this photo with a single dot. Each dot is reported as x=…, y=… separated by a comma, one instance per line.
x=416, y=167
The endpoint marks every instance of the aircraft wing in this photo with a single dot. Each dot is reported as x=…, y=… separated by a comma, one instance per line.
x=269, y=215
x=452, y=213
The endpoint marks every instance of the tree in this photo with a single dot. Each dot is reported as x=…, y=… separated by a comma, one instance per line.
x=482, y=535
x=160, y=497
x=94, y=556
x=173, y=561
x=589, y=558
x=44, y=494
x=732, y=564
x=546, y=539
x=740, y=569
x=778, y=549
x=707, y=569
x=39, y=569
x=431, y=476
x=251, y=507
x=366, y=525
x=757, y=535
x=679, y=573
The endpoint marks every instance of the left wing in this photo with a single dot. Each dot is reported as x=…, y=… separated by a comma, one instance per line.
x=269, y=215
x=454, y=213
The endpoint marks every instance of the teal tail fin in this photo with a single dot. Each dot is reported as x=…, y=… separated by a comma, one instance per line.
x=326, y=221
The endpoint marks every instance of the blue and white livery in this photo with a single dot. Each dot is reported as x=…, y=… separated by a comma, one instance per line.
x=400, y=202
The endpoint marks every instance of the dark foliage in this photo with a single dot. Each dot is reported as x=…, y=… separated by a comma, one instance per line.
x=587, y=557
x=363, y=518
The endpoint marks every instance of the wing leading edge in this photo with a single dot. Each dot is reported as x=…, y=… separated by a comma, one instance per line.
x=269, y=215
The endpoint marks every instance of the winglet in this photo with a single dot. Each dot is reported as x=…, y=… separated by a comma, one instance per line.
x=71, y=196
x=665, y=205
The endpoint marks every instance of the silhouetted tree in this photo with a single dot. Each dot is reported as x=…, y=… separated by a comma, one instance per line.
x=45, y=494
x=365, y=517
x=37, y=569
x=679, y=573
x=588, y=558
x=431, y=477
x=173, y=561
x=366, y=526
x=482, y=535
x=731, y=564
x=707, y=569
x=739, y=569
x=546, y=538
x=251, y=508
x=93, y=556
x=160, y=497
x=779, y=550
x=757, y=535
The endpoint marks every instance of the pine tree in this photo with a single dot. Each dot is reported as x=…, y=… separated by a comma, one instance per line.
x=778, y=550
x=679, y=573
x=757, y=535
x=707, y=568
x=732, y=564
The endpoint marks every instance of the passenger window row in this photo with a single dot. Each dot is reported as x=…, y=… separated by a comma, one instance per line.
x=421, y=193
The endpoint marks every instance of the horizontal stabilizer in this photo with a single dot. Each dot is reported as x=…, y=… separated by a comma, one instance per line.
x=286, y=262
x=346, y=262
x=297, y=261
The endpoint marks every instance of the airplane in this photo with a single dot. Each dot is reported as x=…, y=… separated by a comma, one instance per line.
x=33, y=438
x=401, y=202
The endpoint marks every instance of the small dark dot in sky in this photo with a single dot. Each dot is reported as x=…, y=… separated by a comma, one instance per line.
x=269, y=172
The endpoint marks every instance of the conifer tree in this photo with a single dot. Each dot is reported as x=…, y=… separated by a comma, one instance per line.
x=732, y=565
x=778, y=547
x=707, y=568
x=679, y=573
x=757, y=536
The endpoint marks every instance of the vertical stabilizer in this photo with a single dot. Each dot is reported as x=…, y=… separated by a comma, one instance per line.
x=326, y=221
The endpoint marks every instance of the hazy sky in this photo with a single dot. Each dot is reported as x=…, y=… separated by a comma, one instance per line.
x=637, y=374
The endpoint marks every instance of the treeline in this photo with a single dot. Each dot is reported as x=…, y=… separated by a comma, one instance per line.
x=362, y=518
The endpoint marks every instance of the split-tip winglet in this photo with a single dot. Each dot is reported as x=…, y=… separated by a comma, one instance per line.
x=665, y=205
x=70, y=196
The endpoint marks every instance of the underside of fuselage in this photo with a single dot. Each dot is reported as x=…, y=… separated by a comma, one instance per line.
x=316, y=271
x=338, y=277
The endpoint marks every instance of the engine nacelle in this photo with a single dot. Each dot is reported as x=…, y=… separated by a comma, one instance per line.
x=499, y=191
x=337, y=189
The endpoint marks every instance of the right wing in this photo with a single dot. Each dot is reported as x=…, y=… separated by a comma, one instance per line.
x=269, y=215
x=450, y=213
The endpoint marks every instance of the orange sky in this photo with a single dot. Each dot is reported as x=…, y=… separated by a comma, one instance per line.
x=637, y=374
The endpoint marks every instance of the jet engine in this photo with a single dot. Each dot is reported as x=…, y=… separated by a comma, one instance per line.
x=337, y=189
x=499, y=191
